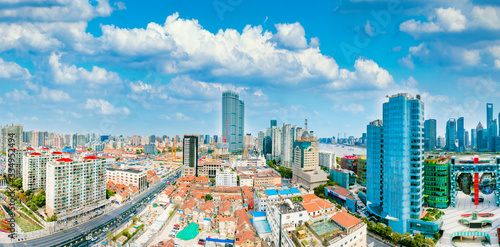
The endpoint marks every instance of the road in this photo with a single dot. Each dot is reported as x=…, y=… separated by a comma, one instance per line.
x=76, y=236
x=373, y=242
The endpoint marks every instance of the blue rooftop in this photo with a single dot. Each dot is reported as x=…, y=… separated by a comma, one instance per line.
x=284, y=192
x=295, y=191
x=259, y=214
x=271, y=192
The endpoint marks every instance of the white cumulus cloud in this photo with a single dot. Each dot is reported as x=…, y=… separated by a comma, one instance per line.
x=367, y=74
x=103, y=107
x=12, y=70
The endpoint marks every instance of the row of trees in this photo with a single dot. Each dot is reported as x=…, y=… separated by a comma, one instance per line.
x=386, y=232
x=283, y=171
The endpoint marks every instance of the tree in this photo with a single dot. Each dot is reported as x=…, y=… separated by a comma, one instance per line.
x=396, y=237
x=388, y=232
x=365, y=220
x=28, y=192
x=429, y=243
x=41, y=192
x=418, y=240
x=379, y=228
x=109, y=193
x=23, y=197
x=39, y=200
x=212, y=181
x=407, y=239
x=208, y=197
x=298, y=199
x=370, y=225
x=339, y=206
x=437, y=236
x=18, y=183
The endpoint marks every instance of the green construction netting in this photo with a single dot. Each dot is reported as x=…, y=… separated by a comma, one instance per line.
x=188, y=233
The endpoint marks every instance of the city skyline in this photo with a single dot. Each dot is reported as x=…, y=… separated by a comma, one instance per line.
x=113, y=69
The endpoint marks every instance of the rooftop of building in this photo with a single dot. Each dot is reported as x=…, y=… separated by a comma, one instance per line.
x=345, y=219
x=287, y=208
x=341, y=191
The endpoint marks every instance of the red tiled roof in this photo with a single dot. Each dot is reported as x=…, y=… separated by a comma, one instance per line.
x=311, y=207
x=35, y=154
x=345, y=219
x=309, y=197
x=65, y=160
x=90, y=158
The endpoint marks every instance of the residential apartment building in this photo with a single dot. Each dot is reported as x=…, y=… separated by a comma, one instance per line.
x=35, y=169
x=327, y=160
x=128, y=177
x=284, y=215
x=74, y=186
x=266, y=179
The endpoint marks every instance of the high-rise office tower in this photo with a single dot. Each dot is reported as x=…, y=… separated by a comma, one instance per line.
x=489, y=114
x=248, y=141
x=461, y=134
x=492, y=132
x=152, y=139
x=430, y=133
x=481, y=138
x=274, y=123
x=233, y=120
x=395, y=154
x=467, y=139
x=473, y=138
x=260, y=140
x=451, y=135
x=190, y=155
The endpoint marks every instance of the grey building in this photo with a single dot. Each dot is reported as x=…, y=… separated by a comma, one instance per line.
x=149, y=149
x=482, y=138
x=473, y=138
x=492, y=132
x=233, y=120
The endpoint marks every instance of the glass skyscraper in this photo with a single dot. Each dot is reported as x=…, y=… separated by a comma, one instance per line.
x=430, y=134
x=395, y=158
x=461, y=134
x=233, y=120
x=451, y=135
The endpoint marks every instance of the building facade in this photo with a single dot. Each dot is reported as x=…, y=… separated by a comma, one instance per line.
x=128, y=177
x=451, y=135
x=327, y=160
x=35, y=169
x=400, y=195
x=190, y=155
x=226, y=178
x=437, y=182
x=74, y=185
x=233, y=120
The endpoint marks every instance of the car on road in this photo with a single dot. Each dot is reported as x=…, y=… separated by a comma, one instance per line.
x=176, y=228
x=201, y=241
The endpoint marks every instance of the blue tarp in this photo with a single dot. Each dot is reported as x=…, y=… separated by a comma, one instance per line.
x=207, y=219
x=284, y=192
x=271, y=192
x=295, y=191
x=227, y=241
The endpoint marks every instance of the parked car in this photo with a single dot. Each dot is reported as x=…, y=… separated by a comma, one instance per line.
x=201, y=241
x=176, y=228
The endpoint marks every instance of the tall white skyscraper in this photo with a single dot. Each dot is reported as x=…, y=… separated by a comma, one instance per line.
x=287, y=145
x=276, y=143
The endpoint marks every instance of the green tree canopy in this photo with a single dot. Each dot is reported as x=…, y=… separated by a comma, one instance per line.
x=208, y=197
x=396, y=237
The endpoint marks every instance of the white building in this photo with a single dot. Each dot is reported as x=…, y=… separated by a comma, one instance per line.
x=248, y=141
x=287, y=216
x=265, y=197
x=354, y=229
x=75, y=186
x=128, y=177
x=276, y=143
x=246, y=180
x=327, y=160
x=226, y=178
x=287, y=146
x=35, y=169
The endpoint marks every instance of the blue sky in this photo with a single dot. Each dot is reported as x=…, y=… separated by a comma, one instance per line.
x=159, y=67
